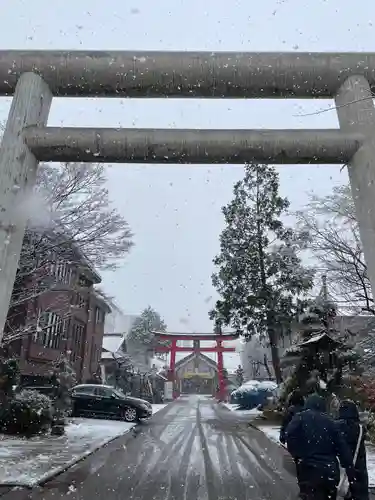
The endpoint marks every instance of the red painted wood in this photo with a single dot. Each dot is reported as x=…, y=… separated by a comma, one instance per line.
x=220, y=369
x=195, y=336
x=191, y=349
x=173, y=350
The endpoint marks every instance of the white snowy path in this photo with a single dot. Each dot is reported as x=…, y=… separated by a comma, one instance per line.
x=156, y=408
x=251, y=413
x=28, y=462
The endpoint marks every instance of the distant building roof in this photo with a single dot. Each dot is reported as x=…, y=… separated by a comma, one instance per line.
x=112, y=342
x=118, y=321
x=193, y=355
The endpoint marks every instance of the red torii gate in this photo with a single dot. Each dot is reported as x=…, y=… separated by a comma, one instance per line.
x=172, y=349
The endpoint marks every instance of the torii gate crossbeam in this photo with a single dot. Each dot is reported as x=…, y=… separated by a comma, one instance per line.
x=34, y=77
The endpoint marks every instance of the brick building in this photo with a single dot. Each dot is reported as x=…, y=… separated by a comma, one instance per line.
x=67, y=317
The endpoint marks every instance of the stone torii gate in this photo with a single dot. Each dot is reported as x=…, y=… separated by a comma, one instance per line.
x=173, y=348
x=34, y=77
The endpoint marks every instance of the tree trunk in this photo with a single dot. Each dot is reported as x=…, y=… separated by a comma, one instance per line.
x=263, y=278
x=274, y=350
x=276, y=363
x=265, y=362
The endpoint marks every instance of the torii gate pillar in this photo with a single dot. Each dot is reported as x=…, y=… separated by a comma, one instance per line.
x=220, y=370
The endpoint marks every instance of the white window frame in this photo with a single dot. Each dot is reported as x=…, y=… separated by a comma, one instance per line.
x=53, y=331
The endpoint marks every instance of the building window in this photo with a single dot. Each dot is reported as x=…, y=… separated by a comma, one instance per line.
x=80, y=301
x=61, y=270
x=51, y=329
x=99, y=316
x=78, y=331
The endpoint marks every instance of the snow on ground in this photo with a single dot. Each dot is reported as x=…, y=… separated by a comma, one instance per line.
x=371, y=465
x=156, y=408
x=271, y=431
x=254, y=412
x=28, y=462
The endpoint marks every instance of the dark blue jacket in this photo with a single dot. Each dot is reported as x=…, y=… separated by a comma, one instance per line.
x=314, y=441
x=348, y=425
x=288, y=416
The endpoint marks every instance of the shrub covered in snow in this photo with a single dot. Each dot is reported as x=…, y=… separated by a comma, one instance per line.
x=253, y=393
x=63, y=378
x=28, y=413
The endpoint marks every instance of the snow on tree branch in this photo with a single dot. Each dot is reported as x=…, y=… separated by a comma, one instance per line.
x=141, y=341
x=79, y=207
x=72, y=229
x=331, y=233
x=260, y=278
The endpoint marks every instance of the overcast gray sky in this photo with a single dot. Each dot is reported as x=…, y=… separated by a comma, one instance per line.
x=174, y=211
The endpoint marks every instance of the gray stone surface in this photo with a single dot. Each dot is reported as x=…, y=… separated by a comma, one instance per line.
x=187, y=74
x=174, y=146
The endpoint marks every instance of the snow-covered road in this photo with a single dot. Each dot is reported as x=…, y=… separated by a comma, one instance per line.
x=193, y=450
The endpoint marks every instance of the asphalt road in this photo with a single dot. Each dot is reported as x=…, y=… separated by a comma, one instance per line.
x=192, y=450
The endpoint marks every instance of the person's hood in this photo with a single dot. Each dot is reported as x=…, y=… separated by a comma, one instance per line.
x=348, y=411
x=316, y=402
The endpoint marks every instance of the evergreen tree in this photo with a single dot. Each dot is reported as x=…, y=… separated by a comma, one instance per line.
x=144, y=325
x=260, y=278
x=141, y=340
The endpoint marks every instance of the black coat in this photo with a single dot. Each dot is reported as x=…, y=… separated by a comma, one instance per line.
x=314, y=441
x=348, y=425
x=287, y=418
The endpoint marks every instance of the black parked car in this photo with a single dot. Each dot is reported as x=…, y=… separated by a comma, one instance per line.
x=104, y=400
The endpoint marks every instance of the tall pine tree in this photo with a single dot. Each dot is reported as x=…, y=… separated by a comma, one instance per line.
x=141, y=341
x=260, y=278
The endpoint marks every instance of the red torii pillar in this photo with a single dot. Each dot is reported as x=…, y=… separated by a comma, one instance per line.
x=172, y=349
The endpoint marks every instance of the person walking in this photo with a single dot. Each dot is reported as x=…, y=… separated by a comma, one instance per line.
x=314, y=441
x=354, y=434
x=295, y=405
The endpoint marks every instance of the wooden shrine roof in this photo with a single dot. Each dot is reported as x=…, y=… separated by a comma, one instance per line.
x=193, y=355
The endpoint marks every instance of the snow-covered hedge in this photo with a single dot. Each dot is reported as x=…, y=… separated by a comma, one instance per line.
x=261, y=385
x=28, y=413
x=253, y=393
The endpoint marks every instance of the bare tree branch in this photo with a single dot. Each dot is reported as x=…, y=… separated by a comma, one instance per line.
x=328, y=228
x=72, y=229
